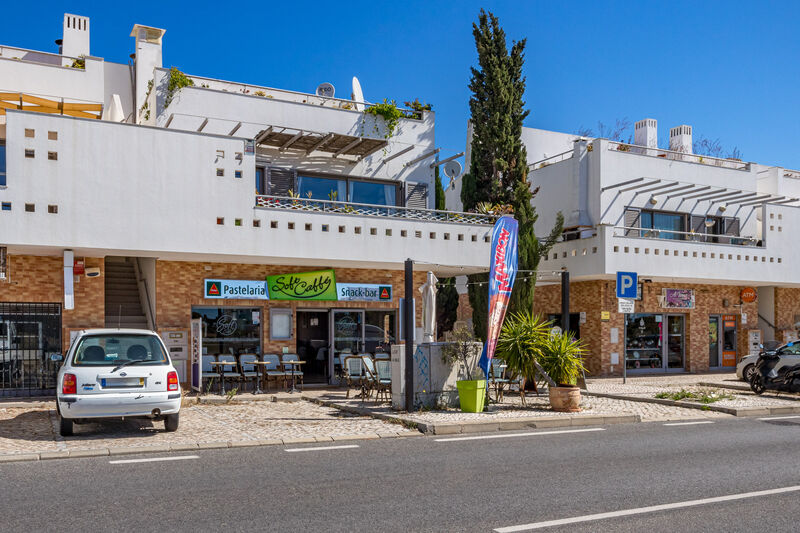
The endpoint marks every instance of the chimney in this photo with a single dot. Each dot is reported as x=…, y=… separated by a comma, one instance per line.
x=75, y=41
x=680, y=139
x=646, y=133
x=147, y=58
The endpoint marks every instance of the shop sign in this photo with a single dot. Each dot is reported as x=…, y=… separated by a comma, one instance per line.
x=235, y=289
x=318, y=285
x=625, y=305
x=748, y=295
x=79, y=267
x=680, y=298
x=605, y=316
x=362, y=292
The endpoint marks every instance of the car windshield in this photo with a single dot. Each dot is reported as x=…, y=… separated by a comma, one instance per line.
x=116, y=349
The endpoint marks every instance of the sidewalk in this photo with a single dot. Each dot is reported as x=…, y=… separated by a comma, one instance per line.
x=28, y=430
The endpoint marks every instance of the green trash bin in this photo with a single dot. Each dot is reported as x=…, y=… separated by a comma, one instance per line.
x=472, y=395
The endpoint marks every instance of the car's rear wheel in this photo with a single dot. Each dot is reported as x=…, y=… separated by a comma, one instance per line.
x=64, y=426
x=171, y=422
x=747, y=373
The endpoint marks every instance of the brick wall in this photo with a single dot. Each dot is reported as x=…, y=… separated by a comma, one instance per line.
x=593, y=297
x=40, y=279
x=179, y=286
x=787, y=307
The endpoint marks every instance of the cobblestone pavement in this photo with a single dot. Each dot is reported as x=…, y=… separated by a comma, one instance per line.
x=649, y=386
x=32, y=430
x=537, y=407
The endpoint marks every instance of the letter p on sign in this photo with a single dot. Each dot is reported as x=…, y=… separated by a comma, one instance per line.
x=627, y=283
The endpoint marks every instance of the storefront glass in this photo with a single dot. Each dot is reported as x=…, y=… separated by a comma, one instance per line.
x=379, y=332
x=230, y=330
x=654, y=341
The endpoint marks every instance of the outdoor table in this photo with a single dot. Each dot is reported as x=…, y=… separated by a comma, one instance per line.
x=293, y=363
x=220, y=365
x=260, y=368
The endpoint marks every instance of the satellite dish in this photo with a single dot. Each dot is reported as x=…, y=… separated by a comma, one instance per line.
x=358, y=95
x=326, y=89
x=452, y=169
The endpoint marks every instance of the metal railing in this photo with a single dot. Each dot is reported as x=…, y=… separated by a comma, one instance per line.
x=369, y=210
x=563, y=156
x=686, y=236
x=671, y=155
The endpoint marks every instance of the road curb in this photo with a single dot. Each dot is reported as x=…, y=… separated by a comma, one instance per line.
x=735, y=411
x=480, y=426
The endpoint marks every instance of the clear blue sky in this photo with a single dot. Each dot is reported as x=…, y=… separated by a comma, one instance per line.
x=730, y=69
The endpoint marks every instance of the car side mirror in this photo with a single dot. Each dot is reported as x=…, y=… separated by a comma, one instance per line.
x=55, y=357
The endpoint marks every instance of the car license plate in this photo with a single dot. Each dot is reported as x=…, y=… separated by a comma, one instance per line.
x=110, y=383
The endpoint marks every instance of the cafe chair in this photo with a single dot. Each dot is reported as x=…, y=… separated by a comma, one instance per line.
x=208, y=371
x=353, y=373
x=249, y=371
x=272, y=371
x=383, y=368
x=370, y=381
x=498, y=379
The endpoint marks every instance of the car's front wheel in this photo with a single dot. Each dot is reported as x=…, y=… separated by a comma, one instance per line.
x=64, y=426
x=747, y=373
x=171, y=422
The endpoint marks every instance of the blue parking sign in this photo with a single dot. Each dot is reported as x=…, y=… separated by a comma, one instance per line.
x=627, y=283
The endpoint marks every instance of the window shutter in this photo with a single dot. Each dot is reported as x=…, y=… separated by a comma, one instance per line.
x=697, y=224
x=417, y=195
x=281, y=181
x=632, y=221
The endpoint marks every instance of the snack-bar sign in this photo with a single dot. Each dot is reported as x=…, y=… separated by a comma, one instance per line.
x=361, y=292
x=235, y=289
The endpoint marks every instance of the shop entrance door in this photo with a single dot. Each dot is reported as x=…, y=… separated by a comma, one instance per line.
x=313, y=342
x=714, y=346
x=347, y=336
x=654, y=342
x=674, y=356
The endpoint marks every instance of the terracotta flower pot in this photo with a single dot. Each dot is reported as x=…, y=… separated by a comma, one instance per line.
x=565, y=399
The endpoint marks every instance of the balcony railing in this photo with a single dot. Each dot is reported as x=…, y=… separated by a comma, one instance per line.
x=678, y=156
x=685, y=236
x=563, y=156
x=369, y=210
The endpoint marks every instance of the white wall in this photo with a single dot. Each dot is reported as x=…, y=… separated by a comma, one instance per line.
x=133, y=190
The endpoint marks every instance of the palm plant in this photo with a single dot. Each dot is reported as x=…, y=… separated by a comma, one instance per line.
x=521, y=341
x=562, y=358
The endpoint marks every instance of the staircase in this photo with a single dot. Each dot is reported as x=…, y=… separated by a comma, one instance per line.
x=123, y=306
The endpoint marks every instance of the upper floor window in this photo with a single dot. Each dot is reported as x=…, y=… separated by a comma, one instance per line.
x=347, y=190
x=261, y=185
x=322, y=188
x=2, y=163
x=681, y=226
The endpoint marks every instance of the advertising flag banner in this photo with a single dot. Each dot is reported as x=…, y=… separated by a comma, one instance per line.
x=502, y=272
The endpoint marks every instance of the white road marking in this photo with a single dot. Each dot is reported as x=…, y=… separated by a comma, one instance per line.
x=689, y=423
x=528, y=434
x=343, y=447
x=779, y=417
x=644, y=510
x=153, y=459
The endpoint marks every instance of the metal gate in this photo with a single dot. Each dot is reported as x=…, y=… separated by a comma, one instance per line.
x=29, y=333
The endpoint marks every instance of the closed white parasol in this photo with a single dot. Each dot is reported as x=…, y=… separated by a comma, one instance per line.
x=428, y=291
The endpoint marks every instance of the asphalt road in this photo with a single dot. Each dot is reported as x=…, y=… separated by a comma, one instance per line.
x=429, y=484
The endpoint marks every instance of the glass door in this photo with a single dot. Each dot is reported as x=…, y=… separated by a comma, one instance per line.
x=644, y=346
x=674, y=345
x=713, y=342
x=347, y=336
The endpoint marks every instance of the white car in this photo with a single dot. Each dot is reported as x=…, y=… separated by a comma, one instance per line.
x=789, y=355
x=117, y=373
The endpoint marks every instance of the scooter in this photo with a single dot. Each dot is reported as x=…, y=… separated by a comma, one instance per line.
x=767, y=377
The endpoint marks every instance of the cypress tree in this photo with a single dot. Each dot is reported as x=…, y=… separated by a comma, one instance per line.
x=498, y=171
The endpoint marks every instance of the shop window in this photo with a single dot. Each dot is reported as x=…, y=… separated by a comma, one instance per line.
x=379, y=330
x=280, y=324
x=230, y=330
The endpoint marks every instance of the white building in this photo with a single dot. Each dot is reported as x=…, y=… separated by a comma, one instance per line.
x=708, y=237
x=151, y=181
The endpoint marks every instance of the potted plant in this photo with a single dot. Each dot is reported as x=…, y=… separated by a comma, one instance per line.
x=462, y=352
x=520, y=343
x=562, y=360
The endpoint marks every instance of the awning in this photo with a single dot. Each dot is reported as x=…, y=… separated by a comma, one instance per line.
x=337, y=144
